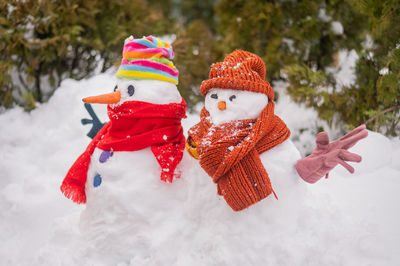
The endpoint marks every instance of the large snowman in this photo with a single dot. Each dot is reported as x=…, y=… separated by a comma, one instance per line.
x=251, y=206
x=120, y=174
x=245, y=148
x=247, y=203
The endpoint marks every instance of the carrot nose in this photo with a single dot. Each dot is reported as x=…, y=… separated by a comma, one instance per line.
x=222, y=105
x=108, y=98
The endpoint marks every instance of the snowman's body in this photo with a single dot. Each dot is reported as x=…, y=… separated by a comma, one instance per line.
x=279, y=163
x=216, y=235
x=122, y=174
x=131, y=207
x=127, y=203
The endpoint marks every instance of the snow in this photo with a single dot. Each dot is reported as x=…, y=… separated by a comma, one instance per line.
x=290, y=44
x=279, y=163
x=346, y=74
x=131, y=201
x=323, y=16
x=337, y=27
x=303, y=122
x=384, y=71
x=169, y=38
x=343, y=220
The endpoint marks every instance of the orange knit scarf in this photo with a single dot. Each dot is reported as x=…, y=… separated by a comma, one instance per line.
x=229, y=153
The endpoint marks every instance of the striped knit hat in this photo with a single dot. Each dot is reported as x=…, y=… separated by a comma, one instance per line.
x=240, y=70
x=147, y=58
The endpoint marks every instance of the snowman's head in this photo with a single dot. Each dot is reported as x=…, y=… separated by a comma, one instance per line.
x=143, y=90
x=236, y=88
x=147, y=90
x=225, y=105
x=146, y=74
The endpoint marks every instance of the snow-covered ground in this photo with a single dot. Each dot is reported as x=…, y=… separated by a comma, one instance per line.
x=349, y=219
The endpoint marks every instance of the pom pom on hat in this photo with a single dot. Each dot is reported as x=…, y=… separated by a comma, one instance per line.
x=240, y=70
x=148, y=58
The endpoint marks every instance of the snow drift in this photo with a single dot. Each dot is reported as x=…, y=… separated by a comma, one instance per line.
x=344, y=220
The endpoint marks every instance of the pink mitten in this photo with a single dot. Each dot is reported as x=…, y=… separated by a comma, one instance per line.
x=327, y=155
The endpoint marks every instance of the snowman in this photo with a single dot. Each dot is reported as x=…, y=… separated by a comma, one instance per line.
x=247, y=201
x=245, y=148
x=120, y=174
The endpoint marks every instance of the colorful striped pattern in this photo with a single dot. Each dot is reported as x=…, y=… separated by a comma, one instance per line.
x=148, y=58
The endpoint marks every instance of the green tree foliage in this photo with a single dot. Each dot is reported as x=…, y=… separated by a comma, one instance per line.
x=195, y=52
x=198, y=10
x=378, y=70
x=288, y=32
x=44, y=42
x=299, y=41
x=374, y=97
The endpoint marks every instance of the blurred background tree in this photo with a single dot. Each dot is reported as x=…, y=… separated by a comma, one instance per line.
x=44, y=42
x=374, y=96
x=195, y=52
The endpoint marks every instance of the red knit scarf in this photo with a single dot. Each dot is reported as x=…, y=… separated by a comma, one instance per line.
x=133, y=126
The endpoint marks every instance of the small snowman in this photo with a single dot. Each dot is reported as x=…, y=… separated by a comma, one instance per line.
x=245, y=148
x=118, y=175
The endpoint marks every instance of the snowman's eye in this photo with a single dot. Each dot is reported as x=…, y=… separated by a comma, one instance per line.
x=232, y=97
x=131, y=90
x=214, y=96
x=116, y=87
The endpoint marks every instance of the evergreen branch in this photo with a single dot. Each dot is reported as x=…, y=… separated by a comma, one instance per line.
x=375, y=117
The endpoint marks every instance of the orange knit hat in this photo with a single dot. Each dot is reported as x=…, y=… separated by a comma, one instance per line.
x=240, y=70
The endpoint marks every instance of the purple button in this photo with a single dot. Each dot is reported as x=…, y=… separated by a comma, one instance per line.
x=105, y=155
